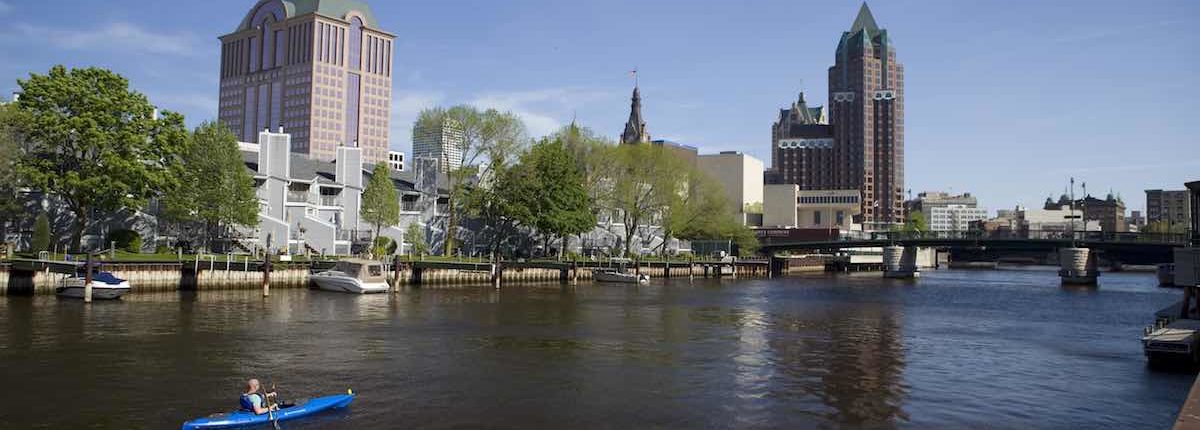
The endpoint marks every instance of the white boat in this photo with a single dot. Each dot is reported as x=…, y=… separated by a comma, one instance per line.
x=1178, y=341
x=353, y=275
x=614, y=275
x=105, y=286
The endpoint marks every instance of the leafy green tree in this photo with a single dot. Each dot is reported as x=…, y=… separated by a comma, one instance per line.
x=697, y=209
x=1164, y=227
x=41, y=234
x=502, y=203
x=915, y=223
x=490, y=139
x=380, y=203
x=10, y=151
x=556, y=202
x=212, y=186
x=94, y=143
x=384, y=246
x=415, y=237
x=643, y=184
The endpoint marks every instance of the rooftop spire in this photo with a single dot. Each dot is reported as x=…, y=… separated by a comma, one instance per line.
x=864, y=21
x=635, y=129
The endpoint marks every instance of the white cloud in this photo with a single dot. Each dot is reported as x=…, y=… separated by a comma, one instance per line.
x=539, y=109
x=115, y=36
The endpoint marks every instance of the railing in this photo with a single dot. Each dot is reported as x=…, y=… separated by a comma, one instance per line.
x=329, y=200
x=354, y=235
x=294, y=196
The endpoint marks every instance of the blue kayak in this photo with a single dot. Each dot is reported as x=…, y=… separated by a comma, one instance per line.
x=244, y=418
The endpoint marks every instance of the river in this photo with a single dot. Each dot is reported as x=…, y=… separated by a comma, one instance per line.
x=994, y=349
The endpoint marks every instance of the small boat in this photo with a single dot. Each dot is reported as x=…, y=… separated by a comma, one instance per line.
x=105, y=286
x=353, y=275
x=247, y=418
x=614, y=275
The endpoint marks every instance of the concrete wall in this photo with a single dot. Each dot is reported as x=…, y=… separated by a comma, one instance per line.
x=740, y=174
x=779, y=205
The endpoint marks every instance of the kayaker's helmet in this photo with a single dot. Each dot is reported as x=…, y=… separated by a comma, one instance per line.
x=252, y=386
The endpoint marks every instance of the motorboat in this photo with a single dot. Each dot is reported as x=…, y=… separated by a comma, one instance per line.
x=105, y=286
x=617, y=276
x=353, y=275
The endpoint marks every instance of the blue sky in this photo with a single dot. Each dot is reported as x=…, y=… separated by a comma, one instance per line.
x=1005, y=99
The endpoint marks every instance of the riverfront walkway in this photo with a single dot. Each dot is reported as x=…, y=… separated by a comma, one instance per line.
x=1189, y=414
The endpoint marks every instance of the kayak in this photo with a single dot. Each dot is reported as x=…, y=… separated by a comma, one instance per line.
x=246, y=418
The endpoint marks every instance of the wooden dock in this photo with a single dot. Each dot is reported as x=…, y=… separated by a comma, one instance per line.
x=1189, y=414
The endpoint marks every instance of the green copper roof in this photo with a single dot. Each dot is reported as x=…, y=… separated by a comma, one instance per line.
x=865, y=21
x=337, y=9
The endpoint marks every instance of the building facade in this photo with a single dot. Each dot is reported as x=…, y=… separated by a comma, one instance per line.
x=396, y=161
x=954, y=217
x=1171, y=206
x=866, y=109
x=802, y=148
x=741, y=176
x=321, y=69
x=443, y=142
x=787, y=206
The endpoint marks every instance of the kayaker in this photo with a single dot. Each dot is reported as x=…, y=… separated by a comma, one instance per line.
x=252, y=401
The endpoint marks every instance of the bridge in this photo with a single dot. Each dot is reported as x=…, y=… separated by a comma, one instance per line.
x=1029, y=240
x=1077, y=251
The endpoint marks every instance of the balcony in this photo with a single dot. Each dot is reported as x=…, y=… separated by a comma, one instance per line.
x=330, y=200
x=294, y=196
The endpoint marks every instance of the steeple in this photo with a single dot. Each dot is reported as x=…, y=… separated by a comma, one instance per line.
x=635, y=129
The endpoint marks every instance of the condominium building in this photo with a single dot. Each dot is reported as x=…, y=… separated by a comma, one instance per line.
x=953, y=217
x=321, y=69
x=440, y=141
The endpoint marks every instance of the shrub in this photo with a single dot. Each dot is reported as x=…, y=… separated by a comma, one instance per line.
x=126, y=240
x=41, y=234
x=384, y=246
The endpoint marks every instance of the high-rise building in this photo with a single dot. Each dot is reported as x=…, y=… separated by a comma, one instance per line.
x=635, y=128
x=802, y=148
x=321, y=69
x=946, y=212
x=866, y=109
x=1171, y=206
x=442, y=142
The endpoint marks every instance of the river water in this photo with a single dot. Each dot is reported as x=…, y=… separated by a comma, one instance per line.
x=993, y=349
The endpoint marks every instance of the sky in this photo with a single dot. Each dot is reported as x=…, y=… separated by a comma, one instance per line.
x=1005, y=99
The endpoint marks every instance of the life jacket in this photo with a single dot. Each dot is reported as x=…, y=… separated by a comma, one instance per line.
x=247, y=404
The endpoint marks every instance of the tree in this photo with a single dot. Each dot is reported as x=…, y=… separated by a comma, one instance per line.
x=416, y=239
x=212, y=186
x=1165, y=227
x=490, y=138
x=642, y=186
x=10, y=206
x=556, y=202
x=915, y=223
x=94, y=143
x=41, y=234
x=697, y=209
x=380, y=203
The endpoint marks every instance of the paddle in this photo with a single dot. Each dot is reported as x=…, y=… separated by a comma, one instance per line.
x=272, y=404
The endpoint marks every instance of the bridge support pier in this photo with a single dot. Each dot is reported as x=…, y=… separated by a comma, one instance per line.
x=900, y=262
x=1077, y=266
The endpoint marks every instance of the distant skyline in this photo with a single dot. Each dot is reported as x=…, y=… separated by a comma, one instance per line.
x=1004, y=99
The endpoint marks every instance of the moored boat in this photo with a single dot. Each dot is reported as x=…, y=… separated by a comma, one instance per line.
x=105, y=286
x=247, y=418
x=617, y=276
x=355, y=275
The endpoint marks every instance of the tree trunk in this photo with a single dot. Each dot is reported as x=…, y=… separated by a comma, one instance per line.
x=562, y=246
x=82, y=219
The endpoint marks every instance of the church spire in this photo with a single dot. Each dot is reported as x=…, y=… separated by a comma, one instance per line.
x=635, y=129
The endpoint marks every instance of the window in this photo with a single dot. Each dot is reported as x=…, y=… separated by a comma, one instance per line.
x=817, y=217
